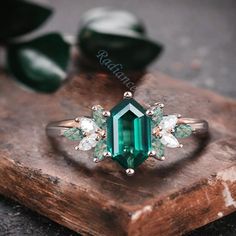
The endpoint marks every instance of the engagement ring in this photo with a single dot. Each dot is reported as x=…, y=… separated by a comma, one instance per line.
x=129, y=133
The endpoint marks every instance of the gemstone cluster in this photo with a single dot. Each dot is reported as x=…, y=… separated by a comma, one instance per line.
x=129, y=133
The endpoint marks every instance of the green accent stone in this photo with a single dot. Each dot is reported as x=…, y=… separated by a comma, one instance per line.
x=73, y=134
x=100, y=148
x=158, y=147
x=157, y=115
x=183, y=131
x=98, y=117
x=129, y=134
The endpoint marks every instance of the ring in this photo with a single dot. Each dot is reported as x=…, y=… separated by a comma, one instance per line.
x=129, y=133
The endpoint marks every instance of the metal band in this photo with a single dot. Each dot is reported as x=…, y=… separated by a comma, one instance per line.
x=58, y=128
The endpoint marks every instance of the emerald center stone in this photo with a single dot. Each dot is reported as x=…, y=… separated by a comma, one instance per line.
x=129, y=134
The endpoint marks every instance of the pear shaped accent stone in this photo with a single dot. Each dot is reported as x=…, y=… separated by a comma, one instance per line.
x=87, y=125
x=183, y=131
x=73, y=134
x=169, y=140
x=88, y=142
x=98, y=116
x=168, y=122
x=100, y=148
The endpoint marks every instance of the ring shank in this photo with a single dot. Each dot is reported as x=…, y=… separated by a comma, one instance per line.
x=58, y=128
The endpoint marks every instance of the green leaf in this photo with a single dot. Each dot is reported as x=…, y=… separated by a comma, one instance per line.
x=120, y=34
x=41, y=63
x=20, y=17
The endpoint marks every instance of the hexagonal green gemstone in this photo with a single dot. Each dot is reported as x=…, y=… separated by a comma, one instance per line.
x=183, y=131
x=100, y=148
x=129, y=134
x=98, y=117
x=73, y=134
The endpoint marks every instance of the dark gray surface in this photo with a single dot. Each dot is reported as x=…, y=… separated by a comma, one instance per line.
x=200, y=41
x=200, y=36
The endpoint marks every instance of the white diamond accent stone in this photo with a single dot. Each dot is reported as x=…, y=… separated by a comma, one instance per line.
x=169, y=140
x=88, y=142
x=168, y=122
x=87, y=125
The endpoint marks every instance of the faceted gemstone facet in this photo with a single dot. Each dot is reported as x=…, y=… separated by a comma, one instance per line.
x=168, y=122
x=183, y=131
x=129, y=134
x=73, y=134
x=98, y=116
x=88, y=142
x=87, y=125
x=169, y=140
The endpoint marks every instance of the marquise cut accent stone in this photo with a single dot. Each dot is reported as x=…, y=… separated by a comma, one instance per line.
x=88, y=142
x=98, y=116
x=183, y=131
x=73, y=134
x=168, y=122
x=157, y=115
x=100, y=148
x=129, y=134
x=87, y=125
x=158, y=147
x=169, y=140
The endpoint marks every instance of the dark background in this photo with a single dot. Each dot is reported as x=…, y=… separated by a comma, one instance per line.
x=200, y=40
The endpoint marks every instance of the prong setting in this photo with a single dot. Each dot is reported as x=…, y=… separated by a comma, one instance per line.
x=128, y=95
x=77, y=119
x=107, y=155
x=94, y=108
x=130, y=172
x=101, y=133
x=152, y=153
x=106, y=114
x=161, y=158
x=161, y=105
x=149, y=112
